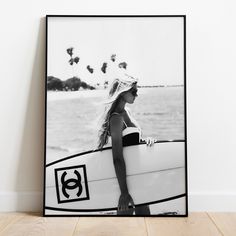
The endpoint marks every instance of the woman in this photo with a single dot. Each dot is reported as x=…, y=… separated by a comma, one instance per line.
x=119, y=126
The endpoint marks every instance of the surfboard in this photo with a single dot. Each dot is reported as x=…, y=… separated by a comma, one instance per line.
x=87, y=182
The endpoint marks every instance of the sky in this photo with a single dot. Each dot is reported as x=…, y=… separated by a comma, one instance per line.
x=153, y=48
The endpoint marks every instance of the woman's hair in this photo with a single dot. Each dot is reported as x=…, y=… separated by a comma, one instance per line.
x=118, y=86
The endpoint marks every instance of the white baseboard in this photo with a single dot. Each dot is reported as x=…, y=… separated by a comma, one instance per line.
x=21, y=201
x=212, y=202
x=33, y=202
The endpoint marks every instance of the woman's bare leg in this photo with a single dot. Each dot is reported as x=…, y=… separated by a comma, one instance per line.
x=128, y=212
x=142, y=210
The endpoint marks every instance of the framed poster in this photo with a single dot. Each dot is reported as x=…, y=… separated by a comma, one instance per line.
x=115, y=133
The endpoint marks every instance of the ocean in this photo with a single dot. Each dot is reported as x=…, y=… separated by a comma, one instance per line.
x=72, y=118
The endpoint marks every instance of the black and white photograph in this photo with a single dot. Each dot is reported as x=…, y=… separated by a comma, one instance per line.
x=115, y=124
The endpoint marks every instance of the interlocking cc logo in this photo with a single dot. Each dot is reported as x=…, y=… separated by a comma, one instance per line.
x=71, y=184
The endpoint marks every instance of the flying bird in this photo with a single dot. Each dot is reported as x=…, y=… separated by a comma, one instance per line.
x=123, y=65
x=90, y=69
x=70, y=51
x=76, y=59
x=104, y=67
x=113, y=57
x=71, y=61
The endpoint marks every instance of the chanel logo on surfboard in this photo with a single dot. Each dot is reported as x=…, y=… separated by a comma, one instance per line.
x=71, y=184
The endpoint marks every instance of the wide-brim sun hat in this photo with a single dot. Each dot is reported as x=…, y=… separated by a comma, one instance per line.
x=122, y=83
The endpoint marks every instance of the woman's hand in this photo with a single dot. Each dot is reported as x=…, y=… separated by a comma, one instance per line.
x=150, y=141
x=124, y=202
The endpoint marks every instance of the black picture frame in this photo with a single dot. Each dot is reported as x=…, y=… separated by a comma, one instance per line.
x=73, y=213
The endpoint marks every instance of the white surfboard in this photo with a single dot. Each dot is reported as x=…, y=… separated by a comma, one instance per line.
x=87, y=182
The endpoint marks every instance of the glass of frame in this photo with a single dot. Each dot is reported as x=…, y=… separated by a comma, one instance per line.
x=115, y=128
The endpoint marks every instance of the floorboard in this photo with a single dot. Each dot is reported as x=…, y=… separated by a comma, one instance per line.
x=110, y=226
x=7, y=219
x=226, y=222
x=35, y=225
x=197, y=224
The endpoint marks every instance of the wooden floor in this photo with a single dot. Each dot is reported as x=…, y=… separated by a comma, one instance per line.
x=199, y=224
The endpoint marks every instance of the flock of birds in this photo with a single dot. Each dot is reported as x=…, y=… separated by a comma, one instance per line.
x=89, y=68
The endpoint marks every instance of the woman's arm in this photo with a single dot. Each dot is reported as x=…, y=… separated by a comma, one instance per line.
x=116, y=127
x=149, y=141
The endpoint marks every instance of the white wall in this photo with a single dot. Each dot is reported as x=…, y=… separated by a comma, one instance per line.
x=211, y=96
